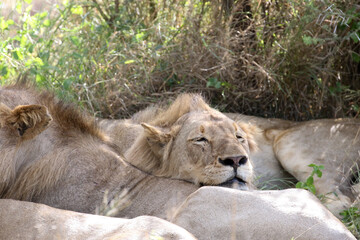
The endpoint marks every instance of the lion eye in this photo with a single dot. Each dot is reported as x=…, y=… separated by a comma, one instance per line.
x=202, y=139
x=240, y=138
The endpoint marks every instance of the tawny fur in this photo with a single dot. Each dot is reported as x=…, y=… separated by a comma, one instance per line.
x=156, y=149
x=292, y=146
x=28, y=120
x=70, y=164
x=24, y=180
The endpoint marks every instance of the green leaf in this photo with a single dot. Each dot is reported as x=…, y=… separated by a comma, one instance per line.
x=355, y=57
x=17, y=54
x=28, y=1
x=300, y=185
x=129, y=61
x=67, y=83
x=10, y=22
x=75, y=40
x=39, y=79
x=46, y=22
x=3, y=24
x=217, y=85
x=310, y=181
x=38, y=62
x=43, y=15
x=23, y=40
x=140, y=36
x=78, y=10
x=319, y=173
x=18, y=7
x=3, y=70
x=28, y=9
x=307, y=40
x=312, y=189
x=355, y=37
x=31, y=48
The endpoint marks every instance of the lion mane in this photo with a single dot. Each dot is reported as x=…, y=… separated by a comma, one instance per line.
x=22, y=179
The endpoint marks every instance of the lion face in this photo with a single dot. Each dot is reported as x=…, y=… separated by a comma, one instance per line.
x=213, y=150
x=203, y=147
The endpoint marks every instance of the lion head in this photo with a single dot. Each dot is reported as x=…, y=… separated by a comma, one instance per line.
x=194, y=142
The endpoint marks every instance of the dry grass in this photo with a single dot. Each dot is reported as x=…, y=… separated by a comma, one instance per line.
x=286, y=59
x=260, y=62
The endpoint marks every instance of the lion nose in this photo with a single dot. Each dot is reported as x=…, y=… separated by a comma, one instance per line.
x=235, y=162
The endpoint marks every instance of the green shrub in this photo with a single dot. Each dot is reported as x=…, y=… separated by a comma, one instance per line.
x=291, y=59
x=351, y=218
x=309, y=184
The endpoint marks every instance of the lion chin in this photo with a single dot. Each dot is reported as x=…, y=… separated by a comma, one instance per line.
x=236, y=183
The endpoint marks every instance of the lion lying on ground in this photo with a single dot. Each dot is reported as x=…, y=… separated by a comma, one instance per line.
x=60, y=157
x=333, y=143
x=268, y=172
x=27, y=221
x=292, y=146
x=208, y=213
x=211, y=149
x=286, y=148
x=51, y=153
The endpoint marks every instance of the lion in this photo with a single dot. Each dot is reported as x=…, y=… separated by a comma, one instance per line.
x=208, y=213
x=268, y=173
x=71, y=164
x=290, y=147
x=282, y=155
x=191, y=141
x=269, y=214
x=61, y=157
x=26, y=220
x=51, y=153
x=333, y=143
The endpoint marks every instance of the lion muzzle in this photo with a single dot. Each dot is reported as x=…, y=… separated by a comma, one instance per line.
x=235, y=161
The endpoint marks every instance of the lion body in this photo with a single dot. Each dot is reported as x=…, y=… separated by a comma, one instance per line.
x=290, y=147
x=286, y=148
x=21, y=220
x=333, y=143
x=268, y=172
x=70, y=164
x=272, y=214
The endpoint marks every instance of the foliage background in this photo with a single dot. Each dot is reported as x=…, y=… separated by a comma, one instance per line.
x=290, y=59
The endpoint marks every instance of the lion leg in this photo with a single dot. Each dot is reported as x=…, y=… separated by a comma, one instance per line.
x=27, y=120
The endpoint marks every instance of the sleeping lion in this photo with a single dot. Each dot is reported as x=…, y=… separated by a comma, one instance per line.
x=284, y=149
x=292, y=146
x=211, y=149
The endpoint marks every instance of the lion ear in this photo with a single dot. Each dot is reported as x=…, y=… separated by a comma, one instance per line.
x=27, y=120
x=156, y=138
